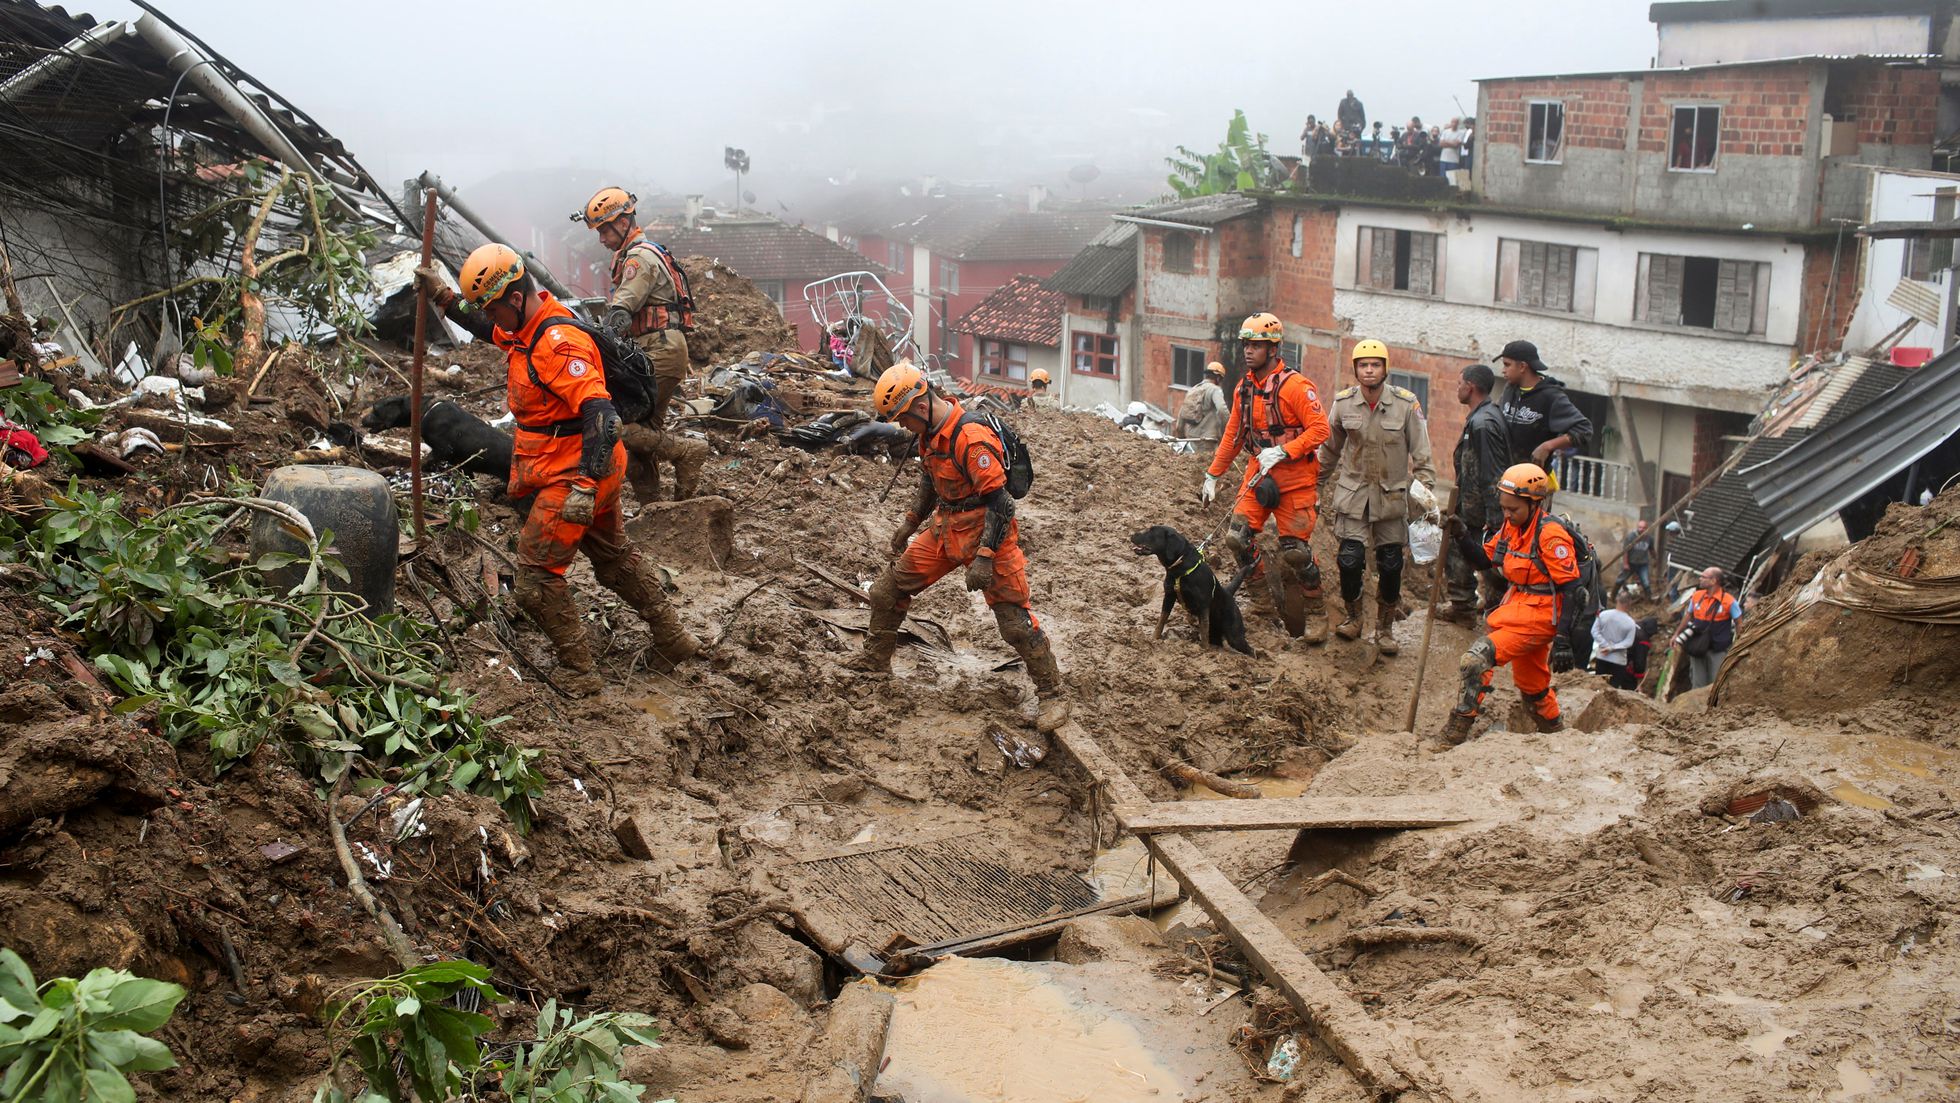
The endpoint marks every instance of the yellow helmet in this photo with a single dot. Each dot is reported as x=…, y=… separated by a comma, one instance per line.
x=1261, y=327
x=1039, y=375
x=1215, y=368
x=1526, y=480
x=488, y=272
x=605, y=205
x=897, y=389
x=1368, y=349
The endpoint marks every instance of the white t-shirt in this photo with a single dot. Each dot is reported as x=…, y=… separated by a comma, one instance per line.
x=1452, y=154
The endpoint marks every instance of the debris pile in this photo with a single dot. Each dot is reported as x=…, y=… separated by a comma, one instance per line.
x=732, y=317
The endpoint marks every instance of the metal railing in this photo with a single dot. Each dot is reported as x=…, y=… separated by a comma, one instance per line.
x=1596, y=478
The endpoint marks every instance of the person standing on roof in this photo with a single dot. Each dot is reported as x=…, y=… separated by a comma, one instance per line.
x=1377, y=452
x=1201, y=417
x=566, y=454
x=1539, y=416
x=963, y=493
x=1482, y=453
x=1707, y=628
x=1532, y=628
x=1276, y=420
x=650, y=306
x=1350, y=114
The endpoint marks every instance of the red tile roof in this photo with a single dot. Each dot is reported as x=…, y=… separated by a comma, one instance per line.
x=1022, y=311
x=765, y=250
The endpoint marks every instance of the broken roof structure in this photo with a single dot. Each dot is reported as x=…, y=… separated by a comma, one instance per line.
x=1022, y=311
x=1200, y=213
x=764, y=249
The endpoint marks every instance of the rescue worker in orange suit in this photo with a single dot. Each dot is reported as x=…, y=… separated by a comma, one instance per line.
x=969, y=522
x=1531, y=628
x=649, y=306
x=1277, y=422
x=566, y=453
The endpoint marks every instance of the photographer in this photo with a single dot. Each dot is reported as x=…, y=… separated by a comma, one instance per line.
x=1707, y=628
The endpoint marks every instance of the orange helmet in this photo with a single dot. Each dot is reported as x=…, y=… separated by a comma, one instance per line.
x=605, y=205
x=897, y=389
x=1039, y=375
x=488, y=272
x=1215, y=368
x=1526, y=480
x=1261, y=327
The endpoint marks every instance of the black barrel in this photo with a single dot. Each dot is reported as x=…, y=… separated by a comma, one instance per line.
x=359, y=509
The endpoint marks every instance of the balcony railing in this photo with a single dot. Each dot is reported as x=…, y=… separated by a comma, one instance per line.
x=1597, y=478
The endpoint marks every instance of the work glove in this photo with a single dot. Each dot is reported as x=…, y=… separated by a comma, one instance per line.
x=980, y=572
x=901, y=538
x=619, y=320
x=1271, y=458
x=429, y=279
x=1208, y=493
x=1453, y=527
x=1562, y=659
x=578, y=506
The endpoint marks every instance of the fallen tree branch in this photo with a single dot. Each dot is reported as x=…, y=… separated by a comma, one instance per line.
x=779, y=905
x=1410, y=936
x=391, y=931
x=1191, y=775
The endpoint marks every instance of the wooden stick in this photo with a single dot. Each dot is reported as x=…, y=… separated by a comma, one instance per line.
x=1436, y=577
x=391, y=931
x=415, y=369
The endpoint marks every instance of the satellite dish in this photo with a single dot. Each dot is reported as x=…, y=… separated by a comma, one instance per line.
x=748, y=197
x=1082, y=174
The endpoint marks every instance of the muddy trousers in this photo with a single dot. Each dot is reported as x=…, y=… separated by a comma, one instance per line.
x=651, y=444
x=1296, y=584
x=1527, y=653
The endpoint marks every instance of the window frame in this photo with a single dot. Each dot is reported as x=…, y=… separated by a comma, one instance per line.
x=1183, y=260
x=1694, y=137
x=1299, y=243
x=1531, y=111
x=1096, y=355
x=998, y=361
x=949, y=276
x=1412, y=381
x=1759, y=293
x=895, y=255
x=1925, y=259
x=1582, y=285
x=1364, y=262
x=1192, y=355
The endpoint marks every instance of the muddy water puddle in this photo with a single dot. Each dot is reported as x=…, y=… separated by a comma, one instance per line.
x=982, y=1030
x=1864, y=762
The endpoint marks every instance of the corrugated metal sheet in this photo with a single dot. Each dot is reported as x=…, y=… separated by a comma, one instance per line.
x=1921, y=300
x=1105, y=269
x=1835, y=466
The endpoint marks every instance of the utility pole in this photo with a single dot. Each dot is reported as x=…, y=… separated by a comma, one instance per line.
x=738, y=160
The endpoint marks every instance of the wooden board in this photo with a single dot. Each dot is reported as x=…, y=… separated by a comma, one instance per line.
x=1290, y=812
x=1353, y=1036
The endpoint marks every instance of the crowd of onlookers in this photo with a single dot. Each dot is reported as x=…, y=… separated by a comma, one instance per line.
x=1445, y=151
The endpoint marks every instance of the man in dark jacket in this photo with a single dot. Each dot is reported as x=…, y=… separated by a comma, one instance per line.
x=1350, y=114
x=1539, y=416
x=1481, y=456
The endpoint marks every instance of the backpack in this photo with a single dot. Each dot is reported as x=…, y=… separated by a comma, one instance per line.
x=628, y=372
x=1591, y=596
x=1020, y=465
x=683, y=297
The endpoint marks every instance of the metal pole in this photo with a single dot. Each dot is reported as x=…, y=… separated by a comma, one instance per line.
x=88, y=42
x=532, y=264
x=421, y=349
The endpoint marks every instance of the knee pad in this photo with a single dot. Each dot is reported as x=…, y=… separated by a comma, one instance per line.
x=1238, y=537
x=1295, y=553
x=1016, y=626
x=1388, y=558
x=1353, y=556
x=1479, y=659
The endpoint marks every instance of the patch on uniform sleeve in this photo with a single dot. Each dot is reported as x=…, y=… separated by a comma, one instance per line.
x=1313, y=396
x=578, y=368
x=1561, y=552
x=985, y=461
x=632, y=269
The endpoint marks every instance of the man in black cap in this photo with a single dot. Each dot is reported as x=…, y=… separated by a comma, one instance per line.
x=1539, y=416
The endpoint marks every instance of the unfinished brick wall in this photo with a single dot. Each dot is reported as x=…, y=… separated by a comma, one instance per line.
x=1824, y=312
x=1595, y=111
x=1765, y=109
x=1897, y=107
x=1302, y=286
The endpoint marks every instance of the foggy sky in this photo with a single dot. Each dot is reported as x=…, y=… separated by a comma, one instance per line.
x=1018, y=92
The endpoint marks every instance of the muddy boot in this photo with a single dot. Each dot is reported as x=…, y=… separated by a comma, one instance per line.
x=689, y=456
x=638, y=582
x=642, y=462
x=1552, y=724
x=1048, y=689
x=882, y=638
x=548, y=601
x=1457, y=728
x=1385, y=629
x=1350, y=626
x=1317, y=623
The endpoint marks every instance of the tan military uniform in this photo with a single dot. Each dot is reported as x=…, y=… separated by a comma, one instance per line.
x=643, y=287
x=1372, y=453
x=1202, y=417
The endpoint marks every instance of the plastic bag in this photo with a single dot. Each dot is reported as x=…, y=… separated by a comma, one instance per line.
x=1425, y=541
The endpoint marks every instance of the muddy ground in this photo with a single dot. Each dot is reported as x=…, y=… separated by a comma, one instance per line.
x=1611, y=939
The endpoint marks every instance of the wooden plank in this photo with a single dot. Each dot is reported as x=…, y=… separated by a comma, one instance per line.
x=991, y=942
x=1289, y=812
x=1335, y=1017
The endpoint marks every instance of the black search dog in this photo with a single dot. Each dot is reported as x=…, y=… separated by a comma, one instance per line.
x=456, y=437
x=1187, y=577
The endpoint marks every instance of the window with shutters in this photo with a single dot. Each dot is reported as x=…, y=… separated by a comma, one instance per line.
x=1729, y=296
x=1177, y=252
x=1546, y=276
x=1400, y=260
x=1289, y=351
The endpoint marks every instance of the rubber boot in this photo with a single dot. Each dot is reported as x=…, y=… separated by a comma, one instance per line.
x=1385, y=629
x=1457, y=728
x=1350, y=626
x=639, y=583
x=1048, y=688
x=882, y=638
x=549, y=603
x=642, y=462
x=690, y=456
x=1553, y=724
x=1317, y=623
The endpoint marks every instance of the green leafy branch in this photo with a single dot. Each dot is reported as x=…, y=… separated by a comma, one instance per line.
x=1242, y=163
x=73, y=1040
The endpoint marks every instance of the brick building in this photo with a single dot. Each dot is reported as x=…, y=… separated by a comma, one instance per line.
x=1099, y=328
x=1012, y=332
x=777, y=257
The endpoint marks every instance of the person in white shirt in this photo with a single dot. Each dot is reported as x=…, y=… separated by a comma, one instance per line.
x=1613, y=633
x=1451, y=141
